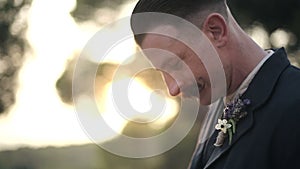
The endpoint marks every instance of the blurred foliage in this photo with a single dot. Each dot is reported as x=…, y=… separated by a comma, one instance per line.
x=272, y=14
x=92, y=156
x=12, y=47
x=91, y=9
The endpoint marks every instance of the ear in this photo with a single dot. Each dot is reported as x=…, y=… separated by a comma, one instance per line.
x=216, y=29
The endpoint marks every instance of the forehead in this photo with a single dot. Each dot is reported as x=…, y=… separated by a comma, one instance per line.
x=159, y=49
x=160, y=37
x=157, y=41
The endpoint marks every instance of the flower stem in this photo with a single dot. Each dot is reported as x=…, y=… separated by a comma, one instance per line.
x=230, y=136
x=233, y=125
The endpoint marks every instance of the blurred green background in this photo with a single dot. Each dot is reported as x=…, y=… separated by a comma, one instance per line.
x=40, y=41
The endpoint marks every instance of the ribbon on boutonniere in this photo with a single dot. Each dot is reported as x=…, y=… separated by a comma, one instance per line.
x=232, y=113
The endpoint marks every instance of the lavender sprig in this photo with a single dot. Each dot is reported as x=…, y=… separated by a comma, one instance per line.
x=232, y=113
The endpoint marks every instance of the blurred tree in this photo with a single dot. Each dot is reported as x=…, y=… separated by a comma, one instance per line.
x=97, y=10
x=273, y=15
x=12, y=47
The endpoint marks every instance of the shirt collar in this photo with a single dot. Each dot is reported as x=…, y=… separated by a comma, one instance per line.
x=243, y=87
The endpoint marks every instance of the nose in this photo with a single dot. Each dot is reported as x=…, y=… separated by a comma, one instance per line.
x=173, y=87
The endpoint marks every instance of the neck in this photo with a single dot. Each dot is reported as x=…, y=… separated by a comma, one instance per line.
x=244, y=59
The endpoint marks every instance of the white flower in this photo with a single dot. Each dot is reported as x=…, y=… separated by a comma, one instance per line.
x=222, y=125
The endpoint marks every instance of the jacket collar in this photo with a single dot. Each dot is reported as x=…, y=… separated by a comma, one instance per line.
x=258, y=92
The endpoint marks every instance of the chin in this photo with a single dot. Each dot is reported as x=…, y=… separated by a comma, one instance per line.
x=205, y=102
x=205, y=99
x=208, y=100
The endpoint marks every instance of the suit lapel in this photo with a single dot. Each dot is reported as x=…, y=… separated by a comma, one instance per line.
x=258, y=92
x=242, y=128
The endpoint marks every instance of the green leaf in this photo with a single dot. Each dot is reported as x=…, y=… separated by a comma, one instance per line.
x=233, y=125
x=230, y=136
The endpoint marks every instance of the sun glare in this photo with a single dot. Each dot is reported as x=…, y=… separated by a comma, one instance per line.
x=39, y=118
x=139, y=107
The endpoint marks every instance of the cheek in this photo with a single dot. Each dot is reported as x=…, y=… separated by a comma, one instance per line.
x=199, y=71
x=197, y=67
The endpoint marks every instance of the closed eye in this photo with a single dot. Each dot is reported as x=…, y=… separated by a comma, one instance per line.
x=173, y=64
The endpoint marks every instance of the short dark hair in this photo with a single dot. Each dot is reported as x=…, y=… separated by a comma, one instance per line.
x=185, y=9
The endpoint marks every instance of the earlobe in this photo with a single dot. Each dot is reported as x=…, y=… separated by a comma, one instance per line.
x=215, y=28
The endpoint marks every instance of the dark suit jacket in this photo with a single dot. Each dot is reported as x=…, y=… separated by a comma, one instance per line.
x=269, y=136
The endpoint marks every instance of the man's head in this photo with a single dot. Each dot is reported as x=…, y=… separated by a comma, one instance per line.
x=213, y=19
x=194, y=11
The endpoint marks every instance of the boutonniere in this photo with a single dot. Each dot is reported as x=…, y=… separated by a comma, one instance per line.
x=232, y=113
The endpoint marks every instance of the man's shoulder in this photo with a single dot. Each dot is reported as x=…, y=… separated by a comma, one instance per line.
x=287, y=90
x=290, y=78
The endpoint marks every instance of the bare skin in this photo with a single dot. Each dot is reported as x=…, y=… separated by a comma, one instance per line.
x=239, y=55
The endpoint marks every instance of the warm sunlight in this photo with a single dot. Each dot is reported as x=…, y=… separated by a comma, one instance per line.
x=139, y=99
x=39, y=118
